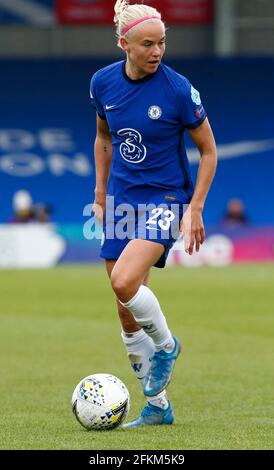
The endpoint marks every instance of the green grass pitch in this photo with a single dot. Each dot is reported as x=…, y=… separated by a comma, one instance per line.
x=60, y=325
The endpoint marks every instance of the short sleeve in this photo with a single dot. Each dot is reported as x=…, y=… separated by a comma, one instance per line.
x=192, y=111
x=95, y=97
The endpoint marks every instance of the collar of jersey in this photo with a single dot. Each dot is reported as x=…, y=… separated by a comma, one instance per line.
x=140, y=80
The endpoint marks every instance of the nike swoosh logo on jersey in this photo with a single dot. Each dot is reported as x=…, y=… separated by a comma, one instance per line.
x=110, y=107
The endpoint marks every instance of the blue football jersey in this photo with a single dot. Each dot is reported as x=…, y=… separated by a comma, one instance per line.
x=147, y=119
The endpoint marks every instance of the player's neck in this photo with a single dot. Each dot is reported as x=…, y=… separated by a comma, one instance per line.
x=133, y=72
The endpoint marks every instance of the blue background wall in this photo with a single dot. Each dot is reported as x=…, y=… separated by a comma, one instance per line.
x=238, y=95
x=10, y=15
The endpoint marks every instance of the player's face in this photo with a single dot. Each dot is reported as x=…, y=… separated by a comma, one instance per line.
x=145, y=49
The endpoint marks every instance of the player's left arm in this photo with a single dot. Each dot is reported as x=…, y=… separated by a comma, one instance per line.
x=192, y=226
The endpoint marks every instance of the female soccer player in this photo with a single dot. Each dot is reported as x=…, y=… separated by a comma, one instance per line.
x=143, y=108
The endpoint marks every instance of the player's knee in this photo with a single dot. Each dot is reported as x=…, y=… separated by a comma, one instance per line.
x=119, y=284
x=123, y=286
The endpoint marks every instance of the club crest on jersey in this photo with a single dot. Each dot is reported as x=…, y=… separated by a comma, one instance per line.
x=195, y=96
x=132, y=149
x=154, y=112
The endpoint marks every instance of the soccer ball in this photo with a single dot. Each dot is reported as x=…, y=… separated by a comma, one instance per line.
x=100, y=401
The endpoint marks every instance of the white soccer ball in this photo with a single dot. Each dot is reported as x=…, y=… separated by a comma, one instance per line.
x=100, y=401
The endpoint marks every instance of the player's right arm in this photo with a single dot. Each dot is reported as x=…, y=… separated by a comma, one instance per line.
x=103, y=157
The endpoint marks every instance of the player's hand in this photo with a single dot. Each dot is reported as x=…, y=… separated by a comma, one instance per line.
x=99, y=205
x=192, y=229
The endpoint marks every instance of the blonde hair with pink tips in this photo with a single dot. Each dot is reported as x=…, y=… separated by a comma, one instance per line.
x=127, y=15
